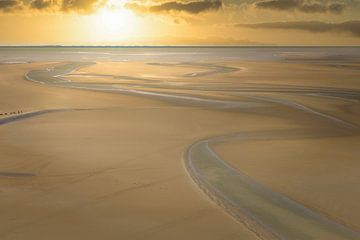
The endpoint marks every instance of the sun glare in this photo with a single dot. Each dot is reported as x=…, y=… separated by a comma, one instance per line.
x=113, y=22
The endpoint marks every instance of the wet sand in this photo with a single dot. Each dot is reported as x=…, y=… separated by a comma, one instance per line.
x=314, y=171
x=112, y=165
x=95, y=174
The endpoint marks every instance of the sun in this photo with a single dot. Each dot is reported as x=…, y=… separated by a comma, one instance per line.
x=113, y=22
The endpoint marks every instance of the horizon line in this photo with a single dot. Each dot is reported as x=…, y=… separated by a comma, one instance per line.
x=170, y=46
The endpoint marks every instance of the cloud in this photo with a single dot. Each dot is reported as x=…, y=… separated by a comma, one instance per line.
x=191, y=7
x=350, y=27
x=194, y=7
x=79, y=6
x=279, y=4
x=82, y=6
x=10, y=5
x=302, y=6
x=40, y=4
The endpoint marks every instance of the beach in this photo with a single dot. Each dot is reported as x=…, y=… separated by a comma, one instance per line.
x=99, y=148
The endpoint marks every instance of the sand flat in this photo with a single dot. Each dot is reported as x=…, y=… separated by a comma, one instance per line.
x=305, y=171
x=112, y=165
x=97, y=168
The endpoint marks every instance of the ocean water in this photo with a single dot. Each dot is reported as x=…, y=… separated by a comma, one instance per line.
x=179, y=54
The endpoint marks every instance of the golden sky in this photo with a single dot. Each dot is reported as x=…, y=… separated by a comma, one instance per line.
x=180, y=22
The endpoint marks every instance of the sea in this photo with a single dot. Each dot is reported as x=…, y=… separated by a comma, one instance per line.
x=25, y=54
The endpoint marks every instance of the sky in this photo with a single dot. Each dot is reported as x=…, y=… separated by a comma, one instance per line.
x=180, y=22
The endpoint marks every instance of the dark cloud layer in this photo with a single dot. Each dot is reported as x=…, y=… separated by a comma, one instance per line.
x=302, y=6
x=352, y=27
x=84, y=6
x=10, y=5
x=40, y=4
x=81, y=6
x=189, y=7
x=88, y=6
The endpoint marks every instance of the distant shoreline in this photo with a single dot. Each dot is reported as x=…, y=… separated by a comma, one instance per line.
x=179, y=46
